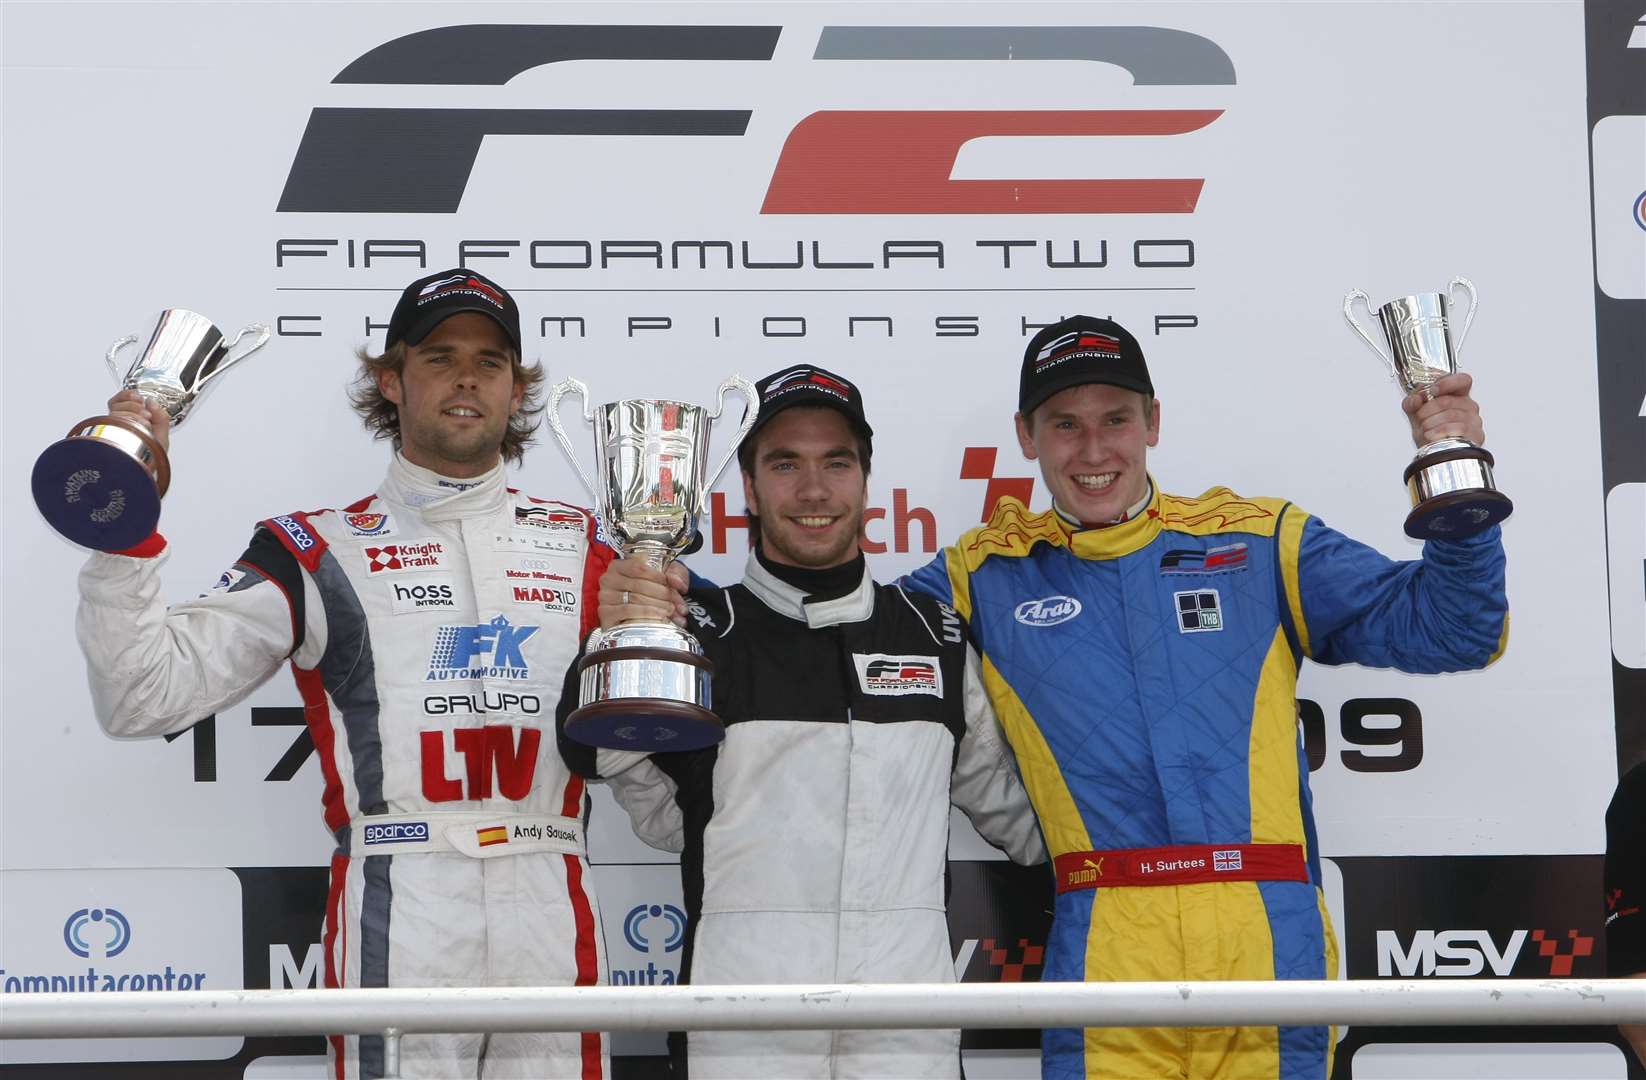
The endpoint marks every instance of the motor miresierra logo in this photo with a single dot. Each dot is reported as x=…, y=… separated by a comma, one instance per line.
x=98, y=934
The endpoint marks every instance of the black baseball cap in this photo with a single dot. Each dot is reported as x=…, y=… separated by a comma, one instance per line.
x=429, y=301
x=1080, y=349
x=807, y=384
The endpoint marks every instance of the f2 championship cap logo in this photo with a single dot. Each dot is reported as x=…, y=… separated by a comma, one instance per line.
x=359, y=160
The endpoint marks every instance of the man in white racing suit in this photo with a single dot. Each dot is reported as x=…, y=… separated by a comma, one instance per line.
x=427, y=626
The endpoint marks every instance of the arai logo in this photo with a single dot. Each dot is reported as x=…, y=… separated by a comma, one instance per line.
x=1048, y=612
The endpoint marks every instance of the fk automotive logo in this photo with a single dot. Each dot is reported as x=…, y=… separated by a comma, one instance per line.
x=358, y=160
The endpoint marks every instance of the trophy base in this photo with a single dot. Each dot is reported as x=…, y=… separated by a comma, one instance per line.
x=1453, y=495
x=101, y=486
x=644, y=687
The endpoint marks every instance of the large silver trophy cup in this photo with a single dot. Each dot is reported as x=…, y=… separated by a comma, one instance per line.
x=645, y=685
x=1450, y=480
x=101, y=486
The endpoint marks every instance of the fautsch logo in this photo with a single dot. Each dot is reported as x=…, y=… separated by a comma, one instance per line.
x=1198, y=610
x=417, y=555
x=1217, y=560
x=490, y=650
x=367, y=524
x=1048, y=611
x=109, y=932
x=832, y=162
x=646, y=924
x=895, y=676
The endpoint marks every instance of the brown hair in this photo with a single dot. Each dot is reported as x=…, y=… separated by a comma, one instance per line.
x=382, y=417
x=749, y=449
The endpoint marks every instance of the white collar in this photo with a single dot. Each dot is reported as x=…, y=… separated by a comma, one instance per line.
x=1131, y=511
x=785, y=599
x=442, y=498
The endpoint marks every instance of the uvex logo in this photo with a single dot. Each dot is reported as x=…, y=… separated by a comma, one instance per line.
x=418, y=160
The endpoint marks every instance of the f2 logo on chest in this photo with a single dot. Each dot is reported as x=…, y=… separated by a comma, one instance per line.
x=896, y=676
x=487, y=752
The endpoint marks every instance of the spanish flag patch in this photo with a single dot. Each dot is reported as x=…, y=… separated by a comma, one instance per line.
x=497, y=834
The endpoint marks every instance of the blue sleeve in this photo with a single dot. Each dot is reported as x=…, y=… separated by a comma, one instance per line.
x=931, y=579
x=1447, y=611
x=698, y=582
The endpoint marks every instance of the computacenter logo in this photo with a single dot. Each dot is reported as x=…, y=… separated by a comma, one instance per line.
x=889, y=161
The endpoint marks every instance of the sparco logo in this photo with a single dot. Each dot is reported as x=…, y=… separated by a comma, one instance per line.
x=354, y=160
x=1047, y=612
x=399, y=832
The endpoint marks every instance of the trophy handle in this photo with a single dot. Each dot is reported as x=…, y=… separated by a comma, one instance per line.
x=1349, y=313
x=1474, y=301
x=561, y=389
x=129, y=339
x=232, y=358
x=750, y=410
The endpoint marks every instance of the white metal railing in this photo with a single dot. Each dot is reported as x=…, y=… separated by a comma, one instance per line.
x=397, y=1012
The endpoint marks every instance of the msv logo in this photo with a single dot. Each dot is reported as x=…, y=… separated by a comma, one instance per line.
x=419, y=160
x=641, y=927
x=110, y=926
x=1047, y=612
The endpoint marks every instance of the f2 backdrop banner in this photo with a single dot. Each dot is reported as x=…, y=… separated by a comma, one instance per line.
x=903, y=193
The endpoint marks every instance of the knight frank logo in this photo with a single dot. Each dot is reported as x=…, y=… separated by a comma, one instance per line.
x=419, y=160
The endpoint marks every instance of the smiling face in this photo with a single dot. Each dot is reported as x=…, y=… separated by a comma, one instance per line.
x=455, y=395
x=1092, y=443
x=808, y=487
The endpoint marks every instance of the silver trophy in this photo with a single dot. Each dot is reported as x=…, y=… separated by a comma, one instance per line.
x=101, y=486
x=644, y=684
x=1450, y=480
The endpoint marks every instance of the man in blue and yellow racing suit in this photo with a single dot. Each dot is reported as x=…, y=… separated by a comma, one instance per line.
x=1141, y=650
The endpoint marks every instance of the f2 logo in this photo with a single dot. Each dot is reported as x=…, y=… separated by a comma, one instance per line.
x=418, y=160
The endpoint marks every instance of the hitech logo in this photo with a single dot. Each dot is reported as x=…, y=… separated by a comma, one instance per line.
x=110, y=926
x=351, y=160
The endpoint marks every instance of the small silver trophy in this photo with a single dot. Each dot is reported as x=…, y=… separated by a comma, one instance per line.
x=644, y=684
x=101, y=486
x=1450, y=480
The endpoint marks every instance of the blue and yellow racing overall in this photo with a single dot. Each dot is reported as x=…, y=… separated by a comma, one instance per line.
x=1145, y=674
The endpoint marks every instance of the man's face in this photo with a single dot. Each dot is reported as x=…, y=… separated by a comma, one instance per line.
x=808, y=488
x=1092, y=443
x=455, y=395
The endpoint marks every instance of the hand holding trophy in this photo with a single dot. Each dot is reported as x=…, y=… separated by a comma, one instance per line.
x=644, y=684
x=101, y=486
x=1450, y=479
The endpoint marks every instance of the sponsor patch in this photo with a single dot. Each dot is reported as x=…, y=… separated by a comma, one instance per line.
x=1218, y=560
x=292, y=528
x=898, y=676
x=1224, y=862
x=398, y=832
x=397, y=558
x=1048, y=611
x=806, y=378
x=1198, y=610
x=534, y=570
x=549, y=518
x=497, y=834
x=426, y=593
x=543, y=543
x=231, y=577
x=488, y=650
x=1077, y=343
x=548, y=597
x=368, y=524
